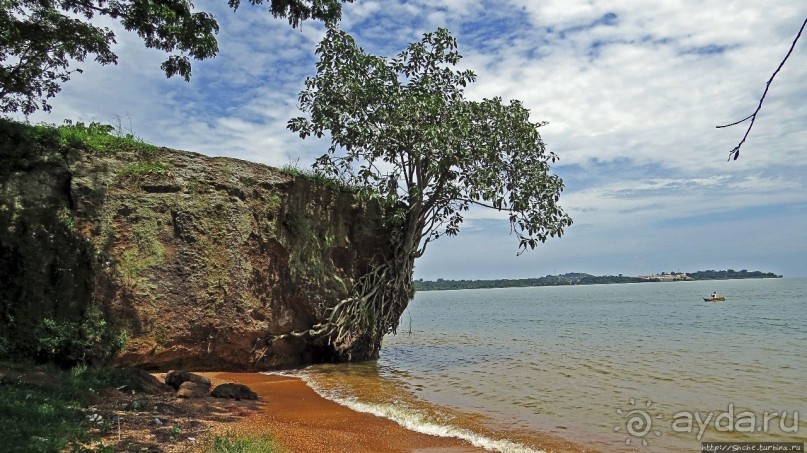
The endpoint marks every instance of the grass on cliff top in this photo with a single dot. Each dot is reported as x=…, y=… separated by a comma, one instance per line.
x=101, y=137
x=24, y=141
x=29, y=138
x=319, y=178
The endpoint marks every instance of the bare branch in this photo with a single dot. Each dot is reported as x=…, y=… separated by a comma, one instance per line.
x=735, y=152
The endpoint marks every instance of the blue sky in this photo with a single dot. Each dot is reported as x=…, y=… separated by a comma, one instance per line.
x=632, y=91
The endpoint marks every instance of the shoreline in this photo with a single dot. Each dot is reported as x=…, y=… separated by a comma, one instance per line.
x=300, y=420
x=144, y=414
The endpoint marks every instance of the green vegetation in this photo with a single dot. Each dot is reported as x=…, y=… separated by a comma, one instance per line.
x=160, y=339
x=45, y=409
x=99, y=137
x=239, y=443
x=68, y=343
x=320, y=178
x=577, y=279
x=21, y=142
x=42, y=407
x=145, y=249
x=49, y=315
x=730, y=274
x=549, y=280
x=409, y=114
x=43, y=39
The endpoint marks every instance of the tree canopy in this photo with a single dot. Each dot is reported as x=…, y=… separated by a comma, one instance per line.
x=408, y=118
x=401, y=128
x=41, y=40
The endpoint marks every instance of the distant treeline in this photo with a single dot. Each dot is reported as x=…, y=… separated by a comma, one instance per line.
x=579, y=279
x=730, y=274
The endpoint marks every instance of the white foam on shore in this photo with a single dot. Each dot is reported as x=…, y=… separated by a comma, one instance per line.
x=415, y=421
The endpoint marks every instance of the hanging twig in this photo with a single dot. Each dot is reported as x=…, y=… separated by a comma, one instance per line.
x=735, y=153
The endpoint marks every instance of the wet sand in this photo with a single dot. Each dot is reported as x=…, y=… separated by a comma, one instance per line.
x=302, y=421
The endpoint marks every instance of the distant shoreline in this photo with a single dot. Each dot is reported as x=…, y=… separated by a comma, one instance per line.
x=572, y=279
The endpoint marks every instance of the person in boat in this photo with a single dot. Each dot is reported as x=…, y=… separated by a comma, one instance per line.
x=714, y=294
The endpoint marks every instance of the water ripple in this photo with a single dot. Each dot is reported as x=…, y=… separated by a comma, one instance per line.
x=571, y=356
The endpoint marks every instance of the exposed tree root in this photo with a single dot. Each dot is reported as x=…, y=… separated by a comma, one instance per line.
x=355, y=326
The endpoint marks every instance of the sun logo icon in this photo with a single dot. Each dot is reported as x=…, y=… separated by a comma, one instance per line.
x=637, y=423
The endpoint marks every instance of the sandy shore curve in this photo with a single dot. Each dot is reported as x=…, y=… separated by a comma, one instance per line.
x=302, y=421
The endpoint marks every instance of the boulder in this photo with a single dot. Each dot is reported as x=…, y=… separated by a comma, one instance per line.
x=190, y=389
x=234, y=391
x=175, y=378
x=144, y=382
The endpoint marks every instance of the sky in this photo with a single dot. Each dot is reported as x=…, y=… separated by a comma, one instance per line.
x=631, y=90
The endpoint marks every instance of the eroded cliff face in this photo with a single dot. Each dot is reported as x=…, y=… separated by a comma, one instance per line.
x=201, y=261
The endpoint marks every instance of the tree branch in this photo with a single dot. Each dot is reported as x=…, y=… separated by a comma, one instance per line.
x=484, y=205
x=735, y=152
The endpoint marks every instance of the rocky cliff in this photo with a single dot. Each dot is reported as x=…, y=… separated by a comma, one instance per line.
x=199, y=261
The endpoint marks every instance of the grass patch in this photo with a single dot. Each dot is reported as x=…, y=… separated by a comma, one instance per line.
x=92, y=340
x=99, y=137
x=43, y=410
x=319, y=178
x=26, y=141
x=239, y=443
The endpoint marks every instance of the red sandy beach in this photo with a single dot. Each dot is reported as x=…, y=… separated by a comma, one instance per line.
x=302, y=421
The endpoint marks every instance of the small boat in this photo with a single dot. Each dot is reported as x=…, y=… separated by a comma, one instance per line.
x=714, y=299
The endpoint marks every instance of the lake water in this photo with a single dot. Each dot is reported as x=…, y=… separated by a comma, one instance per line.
x=608, y=366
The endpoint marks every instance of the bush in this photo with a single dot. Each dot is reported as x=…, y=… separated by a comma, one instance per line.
x=49, y=415
x=67, y=343
x=4, y=346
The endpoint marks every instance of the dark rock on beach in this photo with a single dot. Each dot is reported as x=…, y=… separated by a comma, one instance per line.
x=190, y=389
x=234, y=391
x=176, y=378
x=144, y=382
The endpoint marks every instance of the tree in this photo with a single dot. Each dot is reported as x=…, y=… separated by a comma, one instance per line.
x=41, y=39
x=406, y=121
x=296, y=11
